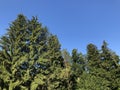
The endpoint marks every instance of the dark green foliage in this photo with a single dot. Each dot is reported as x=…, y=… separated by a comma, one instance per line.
x=78, y=66
x=93, y=60
x=12, y=52
x=31, y=59
x=110, y=64
x=78, y=62
x=28, y=55
x=102, y=65
x=91, y=82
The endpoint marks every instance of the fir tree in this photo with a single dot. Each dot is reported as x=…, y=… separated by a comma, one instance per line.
x=78, y=66
x=28, y=55
x=110, y=64
x=31, y=59
x=93, y=56
x=12, y=48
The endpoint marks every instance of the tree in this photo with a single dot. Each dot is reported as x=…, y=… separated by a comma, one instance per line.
x=12, y=48
x=67, y=58
x=78, y=62
x=28, y=53
x=54, y=53
x=78, y=66
x=88, y=81
x=93, y=56
x=103, y=64
x=31, y=59
x=110, y=64
x=93, y=60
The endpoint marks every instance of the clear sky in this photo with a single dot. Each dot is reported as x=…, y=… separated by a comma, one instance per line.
x=75, y=22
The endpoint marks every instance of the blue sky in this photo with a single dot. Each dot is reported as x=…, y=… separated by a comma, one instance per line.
x=75, y=22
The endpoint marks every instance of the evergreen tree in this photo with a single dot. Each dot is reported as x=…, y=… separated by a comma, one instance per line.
x=89, y=81
x=54, y=53
x=28, y=53
x=78, y=66
x=12, y=48
x=110, y=64
x=31, y=59
x=93, y=60
x=79, y=63
x=93, y=56
x=56, y=64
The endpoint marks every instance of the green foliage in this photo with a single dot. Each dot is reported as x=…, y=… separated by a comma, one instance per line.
x=93, y=57
x=91, y=82
x=28, y=53
x=110, y=63
x=31, y=59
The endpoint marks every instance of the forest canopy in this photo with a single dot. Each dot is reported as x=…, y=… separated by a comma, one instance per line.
x=31, y=59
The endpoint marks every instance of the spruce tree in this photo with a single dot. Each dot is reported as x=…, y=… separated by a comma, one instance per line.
x=110, y=65
x=13, y=48
x=31, y=59
x=93, y=60
x=28, y=55
x=54, y=53
x=78, y=62
x=89, y=81
x=93, y=56
x=94, y=70
x=78, y=66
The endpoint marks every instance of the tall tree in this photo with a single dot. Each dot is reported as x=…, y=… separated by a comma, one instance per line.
x=110, y=64
x=78, y=61
x=93, y=56
x=78, y=66
x=28, y=53
x=12, y=48
x=31, y=59
x=54, y=53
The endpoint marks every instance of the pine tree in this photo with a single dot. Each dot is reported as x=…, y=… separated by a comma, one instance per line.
x=89, y=81
x=31, y=59
x=54, y=53
x=12, y=48
x=94, y=70
x=36, y=41
x=93, y=56
x=28, y=55
x=78, y=61
x=78, y=66
x=110, y=64
x=93, y=60
x=56, y=64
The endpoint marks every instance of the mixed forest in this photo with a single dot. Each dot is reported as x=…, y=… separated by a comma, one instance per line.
x=31, y=59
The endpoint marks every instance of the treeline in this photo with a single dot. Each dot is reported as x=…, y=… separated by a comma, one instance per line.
x=31, y=59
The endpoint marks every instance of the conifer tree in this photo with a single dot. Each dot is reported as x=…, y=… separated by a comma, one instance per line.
x=54, y=53
x=28, y=53
x=93, y=56
x=31, y=59
x=12, y=48
x=88, y=81
x=56, y=68
x=78, y=61
x=78, y=66
x=110, y=65
x=93, y=60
